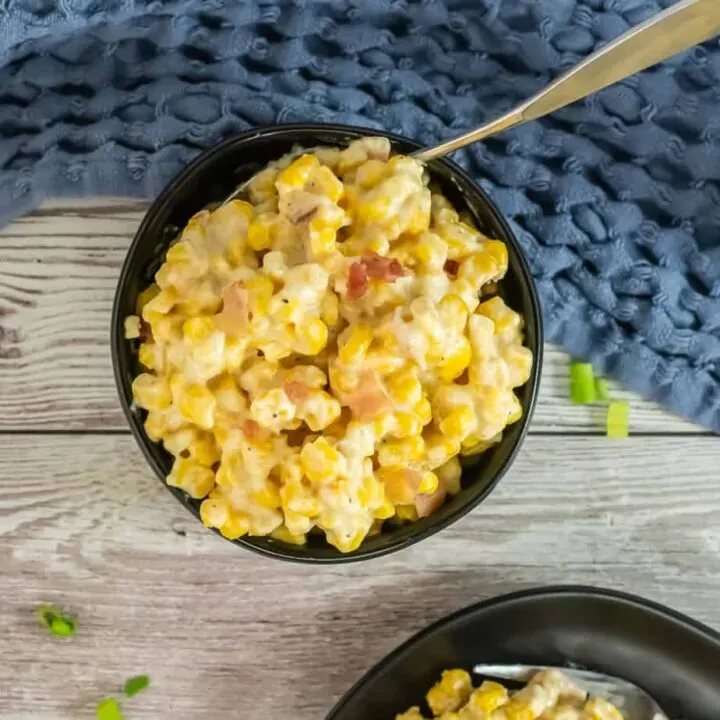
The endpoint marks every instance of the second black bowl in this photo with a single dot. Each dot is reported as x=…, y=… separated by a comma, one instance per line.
x=210, y=178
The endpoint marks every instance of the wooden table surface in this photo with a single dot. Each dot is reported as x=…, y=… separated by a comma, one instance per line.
x=227, y=634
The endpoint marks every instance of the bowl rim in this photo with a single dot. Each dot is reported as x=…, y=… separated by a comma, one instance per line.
x=520, y=596
x=117, y=338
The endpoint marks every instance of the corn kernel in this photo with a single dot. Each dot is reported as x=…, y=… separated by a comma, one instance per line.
x=297, y=173
x=259, y=234
x=440, y=449
x=155, y=426
x=204, y=451
x=429, y=483
x=398, y=483
x=145, y=297
x=405, y=424
x=330, y=308
x=260, y=290
x=355, y=344
x=449, y=475
x=516, y=410
x=468, y=291
x=322, y=239
x=401, y=452
x=319, y=410
x=227, y=394
x=272, y=409
x=197, y=405
x=214, y=511
x=519, y=361
x=283, y=534
x=455, y=360
x=131, y=326
x=370, y=173
x=431, y=250
x=342, y=380
x=453, y=312
x=180, y=252
x=234, y=527
x=151, y=392
x=418, y=220
x=196, y=480
x=268, y=497
x=310, y=337
x=450, y=693
x=198, y=328
x=488, y=697
x=300, y=501
x=407, y=513
x=489, y=264
x=147, y=356
x=297, y=523
x=320, y=461
x=404, y=387
x=167, y=329
x=423, y=410
x=459, y=423
x=162, y=303
x=345, y=542
x=517, y=711
x=386, y=510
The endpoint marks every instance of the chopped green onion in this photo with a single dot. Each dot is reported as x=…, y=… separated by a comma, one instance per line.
x=61, y=627
x=108, y=709
x=618, y=425
x=136, y=684
x=602, y=389
x=582, y=383
x=56, y=621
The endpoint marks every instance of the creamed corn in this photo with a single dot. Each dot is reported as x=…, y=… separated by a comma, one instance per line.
x=549, y=695
x=317, y=358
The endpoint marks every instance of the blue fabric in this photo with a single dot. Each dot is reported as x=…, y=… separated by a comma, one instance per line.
x=615, y=199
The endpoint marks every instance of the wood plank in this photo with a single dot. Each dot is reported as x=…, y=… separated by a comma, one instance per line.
x=57, y=279
x=224, y=633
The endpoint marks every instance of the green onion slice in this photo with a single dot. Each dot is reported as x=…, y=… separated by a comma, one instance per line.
x=136, y=684
x=57, y=622
x=582, y=383
x=618, y=424
x=108, y=709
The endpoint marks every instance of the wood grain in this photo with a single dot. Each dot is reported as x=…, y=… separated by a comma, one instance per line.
x=226, y=634
x=58, y=271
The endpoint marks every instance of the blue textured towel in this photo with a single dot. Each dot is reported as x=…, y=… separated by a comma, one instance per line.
x=615, y=200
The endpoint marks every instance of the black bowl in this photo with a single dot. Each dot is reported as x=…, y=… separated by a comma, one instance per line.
x=673, y=658
x=210, y=178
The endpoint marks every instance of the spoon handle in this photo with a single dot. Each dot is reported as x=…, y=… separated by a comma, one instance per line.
x=678, y=28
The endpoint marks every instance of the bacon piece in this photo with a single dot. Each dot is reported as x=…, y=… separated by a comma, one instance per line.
x=252, y=431
x=296, y=390
x=357, y=281
x=451, y=267
x=234, y=316
x=368, y=399
x=378, y=267
x=427, y=504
